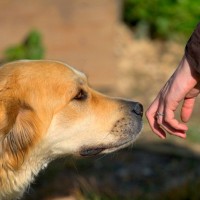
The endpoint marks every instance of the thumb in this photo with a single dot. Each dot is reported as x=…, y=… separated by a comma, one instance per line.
x=187, y=108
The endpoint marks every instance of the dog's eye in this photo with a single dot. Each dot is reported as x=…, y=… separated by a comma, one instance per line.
x=82, y=95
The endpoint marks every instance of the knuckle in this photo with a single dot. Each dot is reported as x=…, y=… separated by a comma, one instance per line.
x=167, y=101
x=167, y=119
x=159, y=122
x=147, y=113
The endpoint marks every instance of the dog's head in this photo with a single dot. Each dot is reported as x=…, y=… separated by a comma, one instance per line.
x=48, y=108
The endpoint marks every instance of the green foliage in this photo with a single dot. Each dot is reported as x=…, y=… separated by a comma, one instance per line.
x=164, y=19
x=193, y=134
x=31, y=48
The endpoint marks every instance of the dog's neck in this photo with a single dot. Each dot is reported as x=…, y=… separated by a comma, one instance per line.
x=16, y=182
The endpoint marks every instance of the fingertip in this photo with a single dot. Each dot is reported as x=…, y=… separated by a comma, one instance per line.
x=159, y=132
x=185, y=119
x=181, y=135
x=177, y=125
x=184, y=127
x=163, y=137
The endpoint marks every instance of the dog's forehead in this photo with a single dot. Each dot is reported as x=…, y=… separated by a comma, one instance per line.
x=44, y=72
x=48, y=68
x=77, y=72
x=79, y=76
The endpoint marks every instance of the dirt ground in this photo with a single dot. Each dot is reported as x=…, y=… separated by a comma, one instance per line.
x=136, y=173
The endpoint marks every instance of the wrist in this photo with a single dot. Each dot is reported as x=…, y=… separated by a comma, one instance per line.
x=193, y=72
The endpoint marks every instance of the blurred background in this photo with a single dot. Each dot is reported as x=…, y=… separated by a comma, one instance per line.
x=127, y=48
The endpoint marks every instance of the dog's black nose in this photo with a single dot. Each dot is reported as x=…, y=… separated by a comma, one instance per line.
x=137, y=108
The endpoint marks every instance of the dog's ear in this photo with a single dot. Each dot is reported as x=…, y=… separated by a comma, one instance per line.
x=19, y=131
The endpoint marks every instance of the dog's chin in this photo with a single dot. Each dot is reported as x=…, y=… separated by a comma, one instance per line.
x=88, y=151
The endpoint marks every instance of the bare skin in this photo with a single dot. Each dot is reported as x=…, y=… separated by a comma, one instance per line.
x=182, y=87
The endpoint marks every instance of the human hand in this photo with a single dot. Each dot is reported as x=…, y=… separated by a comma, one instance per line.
x=182, y=86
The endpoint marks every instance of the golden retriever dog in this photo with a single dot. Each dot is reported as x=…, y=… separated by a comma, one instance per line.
x=47, y=110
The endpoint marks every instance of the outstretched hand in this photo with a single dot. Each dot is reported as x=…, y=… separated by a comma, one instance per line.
x=181, y=87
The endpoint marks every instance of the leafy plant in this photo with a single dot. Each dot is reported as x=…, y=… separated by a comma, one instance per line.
x=31, y=48
x=193, y=134
x=169, y=19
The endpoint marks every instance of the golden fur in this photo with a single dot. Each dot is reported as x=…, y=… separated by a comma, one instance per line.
x=47, y=110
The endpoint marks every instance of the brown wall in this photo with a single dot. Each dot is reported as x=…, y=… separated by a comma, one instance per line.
x=79, y=32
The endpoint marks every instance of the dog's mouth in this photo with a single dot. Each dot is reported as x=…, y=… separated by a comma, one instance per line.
x=128, y=138
x=93, y=151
